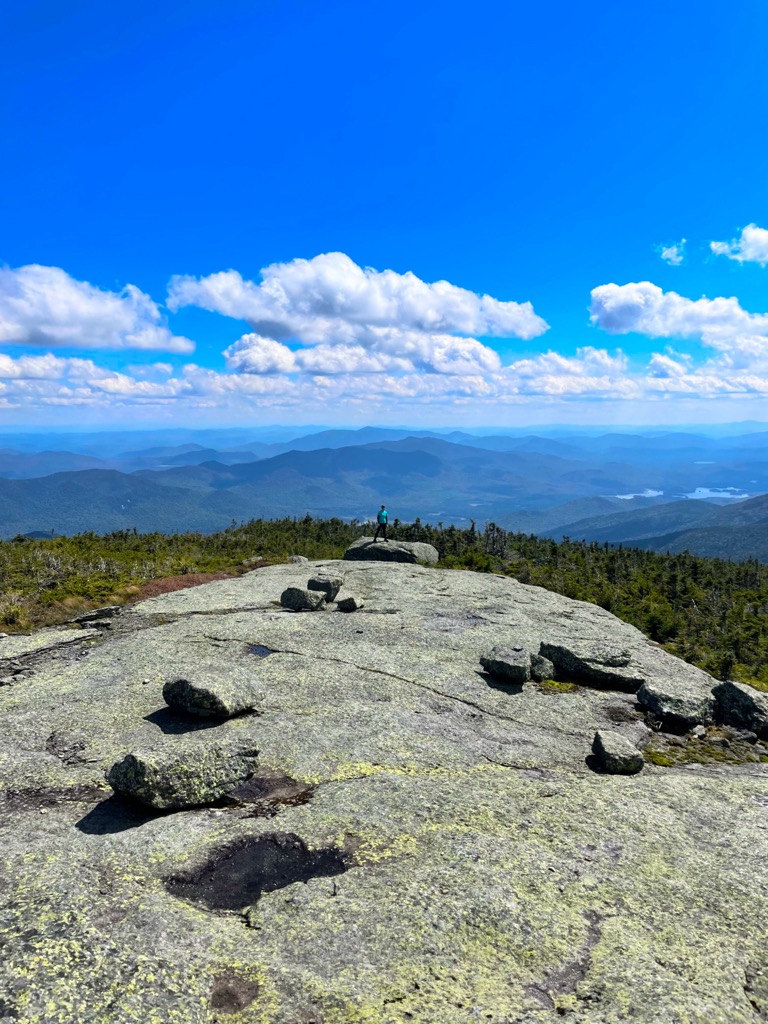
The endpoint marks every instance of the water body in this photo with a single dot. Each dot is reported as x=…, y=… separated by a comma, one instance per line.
x=732, y=493
x=648, y=493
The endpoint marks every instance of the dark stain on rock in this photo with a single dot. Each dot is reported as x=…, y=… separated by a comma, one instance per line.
x=33, y=798
x=267, y=791
x=231, y=993
x=236, y=875
x=565, y=980
x=619, y=713
x=260, y=650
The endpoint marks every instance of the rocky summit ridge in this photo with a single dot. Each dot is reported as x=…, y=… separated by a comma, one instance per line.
x=386, y=815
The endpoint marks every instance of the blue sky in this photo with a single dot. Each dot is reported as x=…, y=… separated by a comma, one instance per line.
x=530, y=153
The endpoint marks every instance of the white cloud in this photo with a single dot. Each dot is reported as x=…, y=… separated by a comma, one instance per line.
x=644, y=308
x=592, y=375
x=750, y=247
x=673, y=254
x=255, y=354
x=375, y=320
x=45, y=306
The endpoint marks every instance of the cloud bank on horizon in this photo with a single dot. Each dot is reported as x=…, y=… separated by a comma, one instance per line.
x=325, y=332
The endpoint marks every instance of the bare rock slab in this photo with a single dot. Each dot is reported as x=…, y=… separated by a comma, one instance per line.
x=220, y=698
x=366, y=549
x=742, y=706
x=298, y=599
x=190, y=776
x=327, y=585
x=616, y=754
x=511, y=663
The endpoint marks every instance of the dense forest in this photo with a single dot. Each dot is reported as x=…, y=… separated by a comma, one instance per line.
x=710, y=612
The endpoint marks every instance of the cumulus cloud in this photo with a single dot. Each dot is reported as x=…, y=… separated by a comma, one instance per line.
x=750, y=247
x=673, y=254
x=34, y=383
x=45, y=306
x=358, y=319
x=644, y=308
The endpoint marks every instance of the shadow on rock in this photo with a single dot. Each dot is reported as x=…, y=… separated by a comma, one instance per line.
x=504, y=685
x=174, y=722
x=115, y=815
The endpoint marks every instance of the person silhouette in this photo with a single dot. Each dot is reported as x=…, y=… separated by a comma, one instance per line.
x=381, y=523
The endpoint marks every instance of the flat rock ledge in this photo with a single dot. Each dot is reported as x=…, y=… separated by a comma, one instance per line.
x=222, y=698
x=366, y=549
x=188, y=776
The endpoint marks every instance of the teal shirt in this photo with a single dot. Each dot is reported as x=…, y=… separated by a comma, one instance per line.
x=382, y=517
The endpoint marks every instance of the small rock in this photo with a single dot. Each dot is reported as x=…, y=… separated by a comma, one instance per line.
x=742, y=706
x=297, y=559
x=698, y=732
x=328, y=585
x=300, y=600
x=2, y=635
x=616, y=754
x=98, y=613
x=740, y=735
x=541, y=668
x=349, y=603
x=101, y=624
x=189, y=777
x=512, y=664
x=220, y=698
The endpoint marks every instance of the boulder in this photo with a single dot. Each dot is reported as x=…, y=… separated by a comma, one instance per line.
x=599, y=662
x=349, y=603
x=511, y=663
x=297, y=559
x=189, y=776
x=300, y=600
x=366, y=549
x=679, y=701
x=219, y=698
x=328, y=585
x=616, y=754
x=742, y=706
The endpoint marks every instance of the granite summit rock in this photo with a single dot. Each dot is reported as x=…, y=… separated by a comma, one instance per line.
x=418, y=842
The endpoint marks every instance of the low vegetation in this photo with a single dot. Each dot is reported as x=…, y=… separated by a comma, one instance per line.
x=711, y=612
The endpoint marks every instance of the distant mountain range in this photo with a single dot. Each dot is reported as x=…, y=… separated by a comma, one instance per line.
x=612, y=488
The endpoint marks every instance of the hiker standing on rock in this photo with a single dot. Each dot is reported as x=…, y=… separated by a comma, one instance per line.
x=381, y=520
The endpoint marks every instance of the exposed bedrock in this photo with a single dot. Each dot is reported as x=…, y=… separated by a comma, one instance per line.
x=419, y=839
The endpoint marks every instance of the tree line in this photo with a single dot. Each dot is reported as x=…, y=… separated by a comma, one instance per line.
x=711, y=612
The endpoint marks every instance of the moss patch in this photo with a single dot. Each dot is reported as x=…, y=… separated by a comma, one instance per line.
x=714, y=748
x=557, y=686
